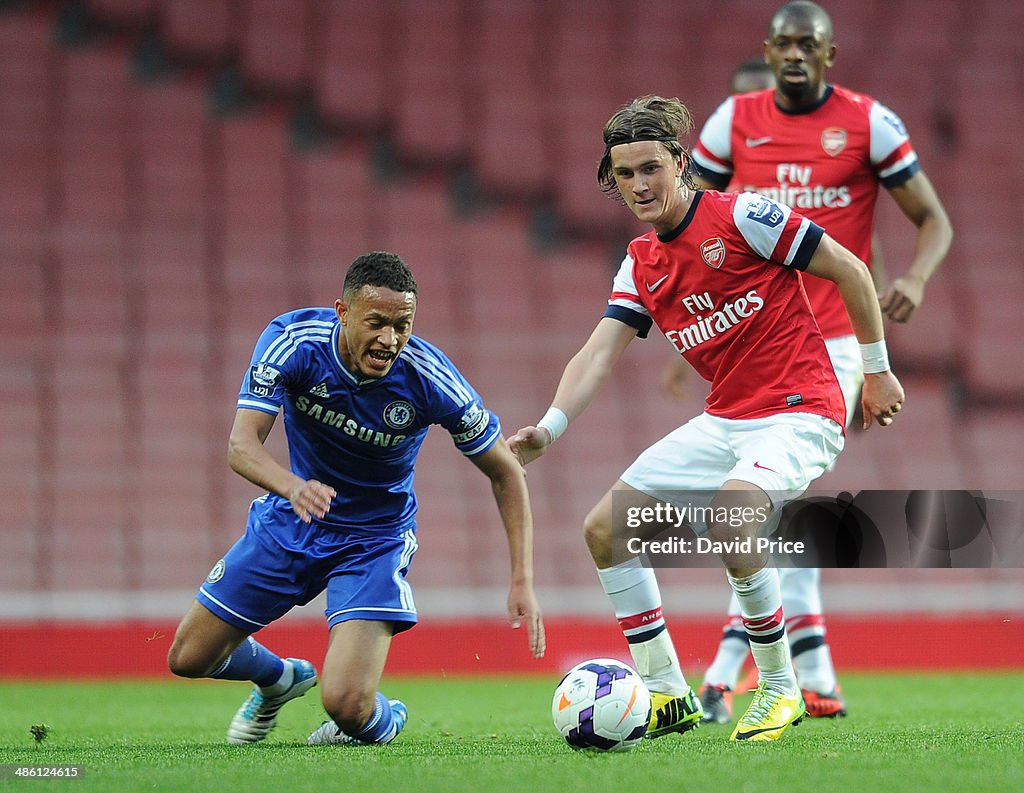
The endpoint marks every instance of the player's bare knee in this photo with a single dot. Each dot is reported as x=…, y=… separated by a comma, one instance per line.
x=597, y=535
x=184, y=661
x=350, y=709
x=189, y=657
x=737, y=544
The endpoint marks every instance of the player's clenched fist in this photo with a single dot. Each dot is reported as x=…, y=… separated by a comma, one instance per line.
x=881, y=399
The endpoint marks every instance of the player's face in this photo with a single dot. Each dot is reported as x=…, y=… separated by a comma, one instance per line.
x=647, y=175
x=748, y=82
x=375, y=325
x=799, y=52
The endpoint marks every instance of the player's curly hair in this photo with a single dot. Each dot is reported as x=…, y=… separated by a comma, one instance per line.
x=646, y=118
x=379, y=268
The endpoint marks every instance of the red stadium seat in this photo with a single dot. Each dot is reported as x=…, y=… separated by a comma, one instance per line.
x=497, y=269
x=350, y=60
x=176, y=305
x=332, y=219
x=124, y=12
x=994, y=344
x=929, y=339
x=431, y=102
x=89, y=513
x=416, y=222
x=254, y=242
x=199, y=28
x=937, y=27
x=173, y=130
x=27, y=62
x=992, y=449
x=24, y=305
x=22, y=469
x=920, y=449
x=93, y=301
x=92, y=142
x=274, y=41
x=510, y=126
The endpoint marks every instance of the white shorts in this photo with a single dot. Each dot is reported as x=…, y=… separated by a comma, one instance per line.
x=844, y=351
x=780, y=454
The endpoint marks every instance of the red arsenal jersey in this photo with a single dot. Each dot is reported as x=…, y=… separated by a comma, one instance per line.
x=725, y=290
x=826, y=162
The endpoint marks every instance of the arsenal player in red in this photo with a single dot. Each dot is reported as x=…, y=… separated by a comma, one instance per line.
x=720, y=276
x=823, y=150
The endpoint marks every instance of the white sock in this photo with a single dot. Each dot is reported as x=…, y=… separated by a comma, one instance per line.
x=733, y=649
x=815, y=671
x=761, y=608
x=805, y=626
x=633, y=591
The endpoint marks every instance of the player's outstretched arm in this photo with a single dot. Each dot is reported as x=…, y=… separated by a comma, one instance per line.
x=919, y=202
x=587, y=371
x=508, y=481
x=882, y=396
x=249, y=458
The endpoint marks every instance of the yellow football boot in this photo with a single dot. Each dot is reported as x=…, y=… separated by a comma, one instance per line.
x=768, y=716
x=674, y=714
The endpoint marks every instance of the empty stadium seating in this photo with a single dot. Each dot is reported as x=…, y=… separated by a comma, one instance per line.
x=198, y=28
x=145, y=242
x=352, y=49
x=275, y=38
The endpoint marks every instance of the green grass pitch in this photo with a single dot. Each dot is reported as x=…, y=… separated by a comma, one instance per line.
x=905, y=733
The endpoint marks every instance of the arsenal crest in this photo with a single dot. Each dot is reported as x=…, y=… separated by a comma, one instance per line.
x=833, y=140
x=713, y=252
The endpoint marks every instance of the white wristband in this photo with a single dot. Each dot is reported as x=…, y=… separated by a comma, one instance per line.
x=875, y=357
x=555, y=422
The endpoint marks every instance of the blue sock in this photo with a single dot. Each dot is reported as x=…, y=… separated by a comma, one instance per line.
x=381, y=726
x=251, y=661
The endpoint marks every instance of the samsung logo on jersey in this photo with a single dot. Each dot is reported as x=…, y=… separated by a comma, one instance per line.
x=333, y=418
x=705, y=328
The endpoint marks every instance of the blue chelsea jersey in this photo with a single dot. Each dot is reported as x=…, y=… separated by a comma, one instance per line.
x=360, y=436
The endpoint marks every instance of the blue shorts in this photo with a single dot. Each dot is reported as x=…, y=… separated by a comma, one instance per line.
x=281, y=562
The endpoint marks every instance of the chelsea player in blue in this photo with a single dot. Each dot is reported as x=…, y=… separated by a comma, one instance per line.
x=358, y=392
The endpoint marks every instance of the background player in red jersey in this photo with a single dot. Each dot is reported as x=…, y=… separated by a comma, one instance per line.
x=824, y=150
x=719, y=276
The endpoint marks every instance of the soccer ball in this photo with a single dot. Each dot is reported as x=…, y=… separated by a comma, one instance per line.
x=601, y=704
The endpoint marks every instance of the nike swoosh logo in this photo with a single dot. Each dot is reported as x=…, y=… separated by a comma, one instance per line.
x=656, y=284
x=744, y=735
x=757, y=464
x=753, y=142
x=564, y=702
x=629, y=706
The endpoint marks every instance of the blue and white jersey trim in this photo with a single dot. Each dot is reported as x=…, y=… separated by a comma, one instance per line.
x=292, y=336
x=242, y=617
x=484, y=445
x=405, y=590
x=252, y=404
x=438, y=374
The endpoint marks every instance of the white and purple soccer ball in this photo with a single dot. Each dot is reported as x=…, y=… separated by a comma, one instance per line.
x=601, y=704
